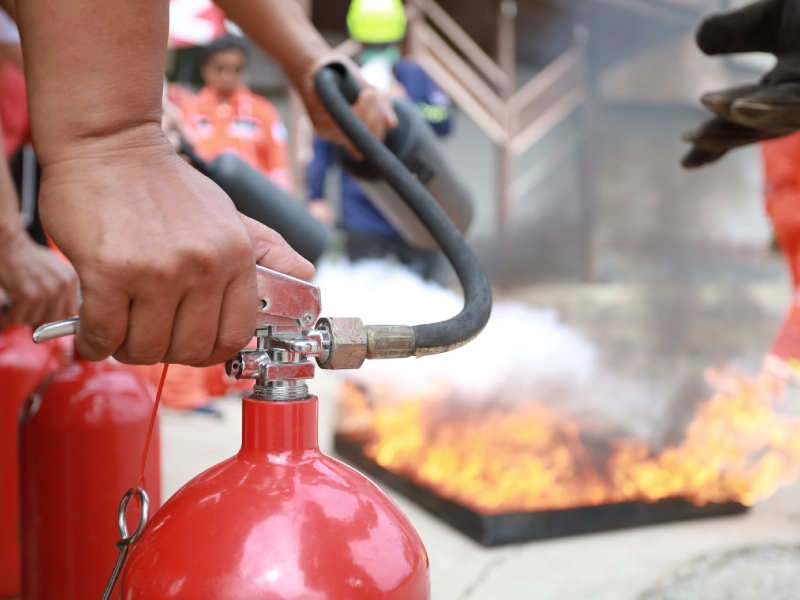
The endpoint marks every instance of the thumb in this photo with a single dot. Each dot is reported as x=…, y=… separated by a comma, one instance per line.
x=270, y=250
x=753, y=28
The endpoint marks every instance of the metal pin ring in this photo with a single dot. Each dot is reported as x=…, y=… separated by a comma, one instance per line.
x=125, y=540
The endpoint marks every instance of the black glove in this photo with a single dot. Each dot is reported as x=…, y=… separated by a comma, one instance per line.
x=751, y=113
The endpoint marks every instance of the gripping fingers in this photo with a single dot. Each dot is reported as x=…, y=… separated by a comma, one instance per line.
x=712, y=139
x=720, y=102
x=721, y=135
x=698, y=157
x=237, y=318
x=104, y=321
x=194, y=332
x=270, y=250
x=150, y=323
x=774, y=108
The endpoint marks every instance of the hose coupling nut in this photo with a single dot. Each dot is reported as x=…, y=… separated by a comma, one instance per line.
x=346, y=346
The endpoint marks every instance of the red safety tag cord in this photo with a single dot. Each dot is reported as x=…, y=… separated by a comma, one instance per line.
x=141, y=482
x=142, y=502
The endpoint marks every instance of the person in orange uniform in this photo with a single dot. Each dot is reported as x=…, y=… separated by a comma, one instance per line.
x=225, y=116
x=781, y=158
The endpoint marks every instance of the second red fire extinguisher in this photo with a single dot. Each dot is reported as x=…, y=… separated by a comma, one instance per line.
x=23, y=367
x=81, y=438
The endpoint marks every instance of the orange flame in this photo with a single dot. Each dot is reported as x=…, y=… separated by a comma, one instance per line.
x=739, y=447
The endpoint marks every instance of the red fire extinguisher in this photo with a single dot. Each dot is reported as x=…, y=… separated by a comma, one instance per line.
x=281, y=520
x=23, y=367
x=81, y=438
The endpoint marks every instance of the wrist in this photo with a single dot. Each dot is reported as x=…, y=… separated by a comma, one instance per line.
x=300, y=67
x=101, y=143
x=12, y=232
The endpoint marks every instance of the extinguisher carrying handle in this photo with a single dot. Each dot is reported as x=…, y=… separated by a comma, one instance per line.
x=338, y=89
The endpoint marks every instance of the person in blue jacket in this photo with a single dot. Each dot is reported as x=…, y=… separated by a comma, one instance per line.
x=380, y=25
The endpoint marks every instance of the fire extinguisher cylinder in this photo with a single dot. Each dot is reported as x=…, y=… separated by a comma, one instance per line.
x=278, y=520
x=23, y=367
x=80, y=436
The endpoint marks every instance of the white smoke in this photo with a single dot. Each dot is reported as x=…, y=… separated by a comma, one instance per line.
x=522, y=350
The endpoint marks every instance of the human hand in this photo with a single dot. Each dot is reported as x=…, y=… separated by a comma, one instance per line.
x=166, y=263
x=322, y=212
x=38, y=285
x=374, y=108
x=757, y=112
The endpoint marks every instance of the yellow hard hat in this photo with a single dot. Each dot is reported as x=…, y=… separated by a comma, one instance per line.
x=377, y=21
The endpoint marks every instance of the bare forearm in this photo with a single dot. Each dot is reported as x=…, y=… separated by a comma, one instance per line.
x=9, y=202
x=281, y=29
x=94, y=68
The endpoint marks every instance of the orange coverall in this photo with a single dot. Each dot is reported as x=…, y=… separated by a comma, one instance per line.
x=782, y=190
x=246, y=124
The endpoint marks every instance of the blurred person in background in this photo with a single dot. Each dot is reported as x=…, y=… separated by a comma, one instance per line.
x=35, y=285
x=380, y=25
x=225, y=116
x=781, y=160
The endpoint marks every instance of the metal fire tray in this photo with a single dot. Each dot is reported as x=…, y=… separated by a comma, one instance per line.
x=517, y=527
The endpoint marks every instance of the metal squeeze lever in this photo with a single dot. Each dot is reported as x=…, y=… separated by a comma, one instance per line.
x=280, y=298
x=289, y=332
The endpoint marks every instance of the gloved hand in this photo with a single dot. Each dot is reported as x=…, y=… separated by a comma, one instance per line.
x=758, y=112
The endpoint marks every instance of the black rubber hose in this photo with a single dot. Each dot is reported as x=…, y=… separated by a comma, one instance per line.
x=338, y=89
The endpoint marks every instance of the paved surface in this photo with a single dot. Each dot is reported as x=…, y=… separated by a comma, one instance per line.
x=719, y=577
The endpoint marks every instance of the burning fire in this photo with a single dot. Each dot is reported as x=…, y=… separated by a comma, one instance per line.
x=739, y=447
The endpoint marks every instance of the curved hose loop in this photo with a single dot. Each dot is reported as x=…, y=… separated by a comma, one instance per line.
x=338, y=89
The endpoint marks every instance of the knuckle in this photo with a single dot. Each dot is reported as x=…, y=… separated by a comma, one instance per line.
x=203, y=257
x=163, y=270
